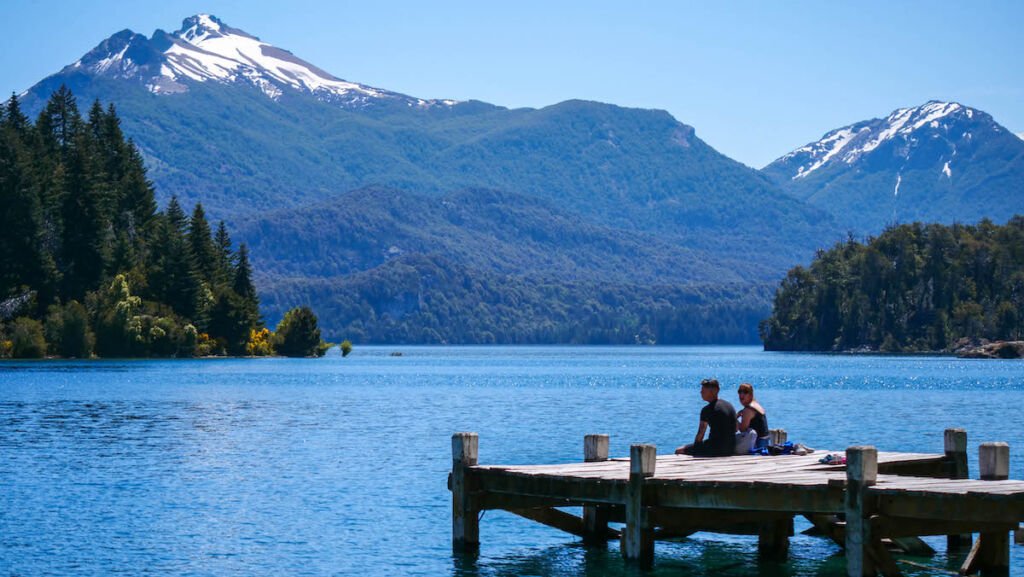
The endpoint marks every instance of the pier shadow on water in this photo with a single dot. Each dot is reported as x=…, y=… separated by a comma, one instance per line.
x=703, y=556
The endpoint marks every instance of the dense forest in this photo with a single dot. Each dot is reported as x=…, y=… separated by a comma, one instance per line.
x=428, y=299
x=90, y=266
x=913, y=288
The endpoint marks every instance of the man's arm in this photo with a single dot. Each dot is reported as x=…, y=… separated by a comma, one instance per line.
x=700, y=432
x=744, y=423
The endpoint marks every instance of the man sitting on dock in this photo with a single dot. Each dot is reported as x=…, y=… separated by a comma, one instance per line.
x=720, y=416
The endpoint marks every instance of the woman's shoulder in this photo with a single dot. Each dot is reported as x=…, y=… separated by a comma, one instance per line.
x=756, y=406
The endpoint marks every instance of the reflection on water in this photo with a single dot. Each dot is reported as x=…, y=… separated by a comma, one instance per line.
x=332, y=466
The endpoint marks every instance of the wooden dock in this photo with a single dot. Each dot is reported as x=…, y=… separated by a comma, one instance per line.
x=877, y=502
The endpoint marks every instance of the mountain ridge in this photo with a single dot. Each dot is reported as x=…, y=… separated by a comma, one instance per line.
x=937, y=162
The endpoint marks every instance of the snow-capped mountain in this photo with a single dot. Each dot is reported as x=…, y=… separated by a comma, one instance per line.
x=941, y=161
x=206, y=49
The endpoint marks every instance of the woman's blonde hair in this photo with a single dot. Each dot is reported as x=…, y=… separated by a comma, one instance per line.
x=746, y=388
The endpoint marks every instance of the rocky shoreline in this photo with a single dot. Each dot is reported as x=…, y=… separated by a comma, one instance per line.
x=990, y=350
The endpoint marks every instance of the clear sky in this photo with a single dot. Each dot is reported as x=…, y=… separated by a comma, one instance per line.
x=756, y=79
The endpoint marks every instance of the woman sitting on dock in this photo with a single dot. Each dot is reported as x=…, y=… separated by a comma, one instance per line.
x=752, y=427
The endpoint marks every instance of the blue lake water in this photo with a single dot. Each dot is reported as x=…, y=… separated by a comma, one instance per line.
x=338, y=466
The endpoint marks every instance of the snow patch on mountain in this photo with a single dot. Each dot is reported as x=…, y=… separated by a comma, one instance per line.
x=903, y=128
x=205, y=49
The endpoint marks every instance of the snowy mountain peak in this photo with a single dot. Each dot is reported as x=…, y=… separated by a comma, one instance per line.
x=206, y=49
x=899, y=135
x=195, y=29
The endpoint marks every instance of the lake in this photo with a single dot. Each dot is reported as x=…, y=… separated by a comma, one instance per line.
x=338, y=466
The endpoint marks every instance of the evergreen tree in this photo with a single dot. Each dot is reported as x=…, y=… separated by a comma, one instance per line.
x=84, y=241
x=59, y=123
x=172, y=278
x=24, y=262
x=298, y=335
x=222, y=245
x=242, y=285
x=12, y=117
x=201, y=243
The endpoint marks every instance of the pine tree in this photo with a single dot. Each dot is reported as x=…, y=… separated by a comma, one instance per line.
x=242, y=285
x=172, y=278
x=222, y=244
x=12, y=117
x=21, y=251
x=59, y=123
x=201, y=243
x=84, y=242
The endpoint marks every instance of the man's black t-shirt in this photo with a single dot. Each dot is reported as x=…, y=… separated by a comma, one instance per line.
x=721, y=417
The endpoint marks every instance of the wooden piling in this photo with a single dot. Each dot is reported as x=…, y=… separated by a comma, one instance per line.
x=638, y=536
x=955, y=442
x=773, y=539
x=465, y=519
x=595, y=517
x=990, y=555
x=861, y=473
x=777, y=436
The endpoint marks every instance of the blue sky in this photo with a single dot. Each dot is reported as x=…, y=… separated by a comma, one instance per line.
x=756, y=79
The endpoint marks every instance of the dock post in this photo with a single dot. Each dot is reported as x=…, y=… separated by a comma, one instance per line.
x=465, y=523
x=638, y=537
x=595, y=517
x=773, y=539
x=991, y=552
x=955, y=442
x=861, y=473
x=777, y=436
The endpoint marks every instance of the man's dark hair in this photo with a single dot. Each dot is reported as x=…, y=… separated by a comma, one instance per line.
x=710, y=383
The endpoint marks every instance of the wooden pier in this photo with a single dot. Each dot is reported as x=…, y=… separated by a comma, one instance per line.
x=877, y=502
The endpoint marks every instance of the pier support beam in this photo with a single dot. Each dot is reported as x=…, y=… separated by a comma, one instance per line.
x=991, y=553
x=864, y=554
x=595, y=517
x=465, y=516
x=773, y=539
x=955, y=442
x=638, y=537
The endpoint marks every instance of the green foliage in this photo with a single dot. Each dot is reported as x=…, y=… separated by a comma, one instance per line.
x=346, y=347
x=78, y=224
x=67, y=331
x=298, y=335
x=430, y=300
x=914, y=288
x=27, y=340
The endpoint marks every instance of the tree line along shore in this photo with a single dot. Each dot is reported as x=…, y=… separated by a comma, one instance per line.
x=914, y=288
x=92, y=268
